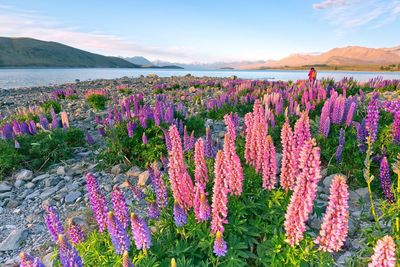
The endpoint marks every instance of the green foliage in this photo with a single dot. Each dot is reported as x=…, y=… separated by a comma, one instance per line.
x=97, y=102
x=196, y=124
x=226, y=109
x=10, y=159
x=47, y=105
x=121, y=147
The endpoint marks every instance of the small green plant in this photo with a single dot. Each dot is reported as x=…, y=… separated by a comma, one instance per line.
x=96, y=101
x=10, y=159
x=196, y=124
x=47, y=105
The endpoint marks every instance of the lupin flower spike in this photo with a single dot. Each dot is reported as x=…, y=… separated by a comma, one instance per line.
x=27, y=260
x=119, y=237
x=140, y=232
x=220, y=247
x=384, y=253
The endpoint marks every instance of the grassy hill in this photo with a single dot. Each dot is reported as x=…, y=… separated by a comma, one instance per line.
x=27, y=52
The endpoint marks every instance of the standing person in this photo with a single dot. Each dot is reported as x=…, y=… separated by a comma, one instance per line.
x=312, y=76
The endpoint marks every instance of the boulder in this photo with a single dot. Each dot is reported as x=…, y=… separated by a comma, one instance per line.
x=13, y=240
x=5, y=187
x=143, y=178
x=24, y=174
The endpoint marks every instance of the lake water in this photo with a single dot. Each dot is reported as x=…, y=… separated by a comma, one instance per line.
x=16, y=78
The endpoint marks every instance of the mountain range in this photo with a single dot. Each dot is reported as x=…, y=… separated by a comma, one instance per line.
x=28, y=52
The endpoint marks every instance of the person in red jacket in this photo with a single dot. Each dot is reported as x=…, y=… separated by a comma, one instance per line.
x=312, y=76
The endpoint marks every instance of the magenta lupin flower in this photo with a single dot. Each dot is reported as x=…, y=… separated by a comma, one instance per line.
x=53, y=223
x=75, y=232
x=200, y=171
x=372, y=119
x=288, y=169
x=119, y=237
x=159, y=188
x=350, y=114
x=220, y=196
x=201, y=206
x=119, y=206
x=233, y=167
x=27, y=260
x=269, y=165
x=140, y=232
x=181, y=183
x=97, y=201
x=153, y=211
x=301, y=135
x=180, y=216
x=220, y=247
x=384, y=253
x=396, y=127
x=68, y=255
x=384, y=175
x=334, y=227
x=302, y=199
x=126, y=262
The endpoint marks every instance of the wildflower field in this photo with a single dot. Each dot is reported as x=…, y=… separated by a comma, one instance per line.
x=297, y=175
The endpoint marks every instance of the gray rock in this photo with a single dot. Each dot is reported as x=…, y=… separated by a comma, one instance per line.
x=51, y=181
x=24, y=174
x=48, y=192
x=117, y=169
x=61, y=171
x=29, y=185
x=40, y=177
x=48, y=260
x=13, y=240
x=363, y=193
x=134, y=171
x=341, y=261
x=327, y=182
x=221, y=134
x=143, y=178
x=33, y=195
x=72, y=196
x=108, y=188
x=5, y=187
x=19, y=183
x=12, y=204
x=5, y=195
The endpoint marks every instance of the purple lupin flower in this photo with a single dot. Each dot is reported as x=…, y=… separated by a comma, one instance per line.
x=119, y=237
x=341, y=145
x=130, y=127
x=55, y=122
x=326, y=127
x=140, y=232
x=167, y=139
x=159, y=188
x=68, y=255
x=27, y=260
x=164, y=162
x=89, y=139
x=44, y=123
x=53, y=223
x=220, y=247
x=119, y=205
x=179, y=215
x=137, y=193
x=338, y=110
x=75, y=232
x=101, y=131
x=97, y=201
x=153, y=211
x=396, y=127
x=32, y=127
x=209, y=145
x=7, y=131
x=384, y=175
x=372, y=119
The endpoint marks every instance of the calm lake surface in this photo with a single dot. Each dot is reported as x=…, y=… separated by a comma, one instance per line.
x=16, y=78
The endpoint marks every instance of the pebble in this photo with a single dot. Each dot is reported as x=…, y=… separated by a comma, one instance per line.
x=24, y=174
x=72, y=196
x=5, y=187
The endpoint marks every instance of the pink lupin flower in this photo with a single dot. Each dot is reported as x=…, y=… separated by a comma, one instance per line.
x=200, y=205
x=335, y=223
x=64, y=120
x=234, y=171
x=301, y=201
x=384, y=253
x=126, y=262
x=230, y=126
x=181, y=183
x=269, y=165
x=75, y=232
x=119, y=205
x=220, y=196
x=248, y=125
x=287, y=177
x=200, y=171
x=301, y=135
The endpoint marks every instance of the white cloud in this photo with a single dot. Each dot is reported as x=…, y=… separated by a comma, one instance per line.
x=329, y=3
x=27, y=23
x=347, y=16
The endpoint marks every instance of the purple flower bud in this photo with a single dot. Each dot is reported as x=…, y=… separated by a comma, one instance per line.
x=220, y=247
x=179, y=215
x=68, y=255
x=89, y=139
x=119, y=237
x=385, y=180
x=372, y=119
x=396, y=127
x=140, y=232
x=153, y=211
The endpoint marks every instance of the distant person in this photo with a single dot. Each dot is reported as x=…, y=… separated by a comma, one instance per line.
x=312, y=76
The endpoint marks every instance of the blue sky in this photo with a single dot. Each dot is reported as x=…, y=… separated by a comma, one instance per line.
x=205, y=30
